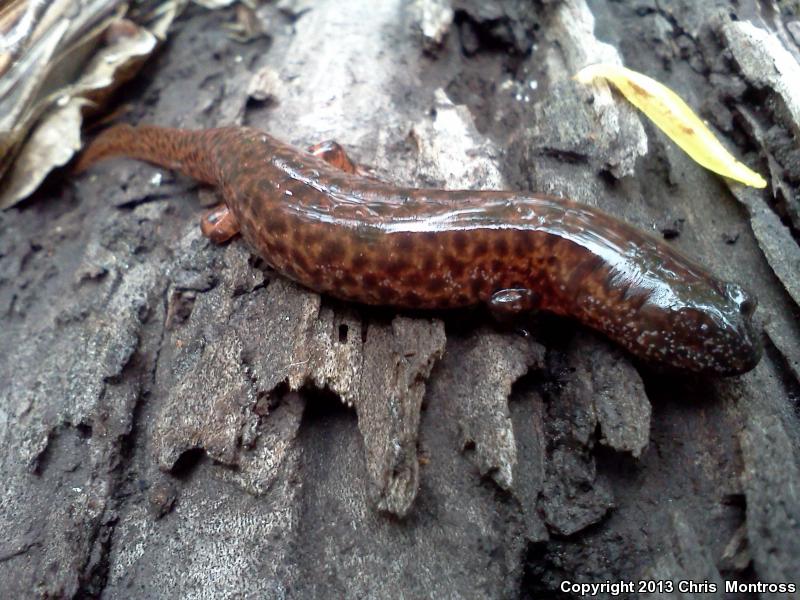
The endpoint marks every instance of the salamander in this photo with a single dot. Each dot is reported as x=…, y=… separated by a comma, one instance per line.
x=316, y=218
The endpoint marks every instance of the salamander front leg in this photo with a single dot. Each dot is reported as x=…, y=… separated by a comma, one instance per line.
x=506, y=306
x=219, y=225
x=511, y=302
x=333, y=154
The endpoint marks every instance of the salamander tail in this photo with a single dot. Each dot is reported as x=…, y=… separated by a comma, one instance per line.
x=181, y=150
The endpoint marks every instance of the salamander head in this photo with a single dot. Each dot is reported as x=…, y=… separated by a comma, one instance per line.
x=705, y=326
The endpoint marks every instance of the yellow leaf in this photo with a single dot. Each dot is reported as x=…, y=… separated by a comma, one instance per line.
x=674, y=117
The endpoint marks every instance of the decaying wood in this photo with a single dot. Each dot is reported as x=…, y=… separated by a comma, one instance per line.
x=169, y=409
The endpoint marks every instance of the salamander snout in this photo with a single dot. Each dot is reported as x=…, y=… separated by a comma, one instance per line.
x=706, y=327
x=731, y=339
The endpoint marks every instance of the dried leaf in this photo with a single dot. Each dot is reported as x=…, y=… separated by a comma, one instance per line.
x=53, y=143
x=674, y=117
x=18, y=87
x=45, y=94
x=247, y=26
x=265, y=85
x=115, y=64
x=214, y=4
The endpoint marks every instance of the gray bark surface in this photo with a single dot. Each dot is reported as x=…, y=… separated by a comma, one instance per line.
x=178, y=420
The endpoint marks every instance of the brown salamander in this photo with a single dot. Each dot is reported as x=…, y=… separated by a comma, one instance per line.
x=316, y=220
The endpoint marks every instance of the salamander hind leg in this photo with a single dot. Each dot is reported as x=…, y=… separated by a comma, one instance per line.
x=333, y=154
x=219, y=225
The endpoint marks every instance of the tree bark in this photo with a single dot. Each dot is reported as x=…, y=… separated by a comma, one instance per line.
x=170, y=410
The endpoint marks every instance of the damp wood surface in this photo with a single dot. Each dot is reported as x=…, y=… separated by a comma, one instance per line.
x=175, y=418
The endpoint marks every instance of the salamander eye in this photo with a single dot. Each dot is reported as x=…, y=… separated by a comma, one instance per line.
x=745, y=302
x=748, y=306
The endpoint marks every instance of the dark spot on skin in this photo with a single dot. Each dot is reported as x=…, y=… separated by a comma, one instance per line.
x=332, y=251
x=536, y=282
x=428, y=264
x=480, y=249
x=429, y=238
x=497, y=266
x=412, y=279
x=370, y=280
x=412, y=299
x=277, y=224
x=316, y=275
x=307, y=234
x=462, y=300
x=435, y=284
x=347, y=280
x=394, y=268
x=528, y=241
x=551, y=260
x=277, y=247
x=405, y=243
x=359, y=262
x=456, y=267
x=460, y=241
x=501, y=245
x=386, y=294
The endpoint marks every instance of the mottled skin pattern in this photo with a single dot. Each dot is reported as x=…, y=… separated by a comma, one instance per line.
x=360, y=239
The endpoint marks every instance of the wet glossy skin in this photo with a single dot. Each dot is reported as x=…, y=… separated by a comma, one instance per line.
x=367, y=241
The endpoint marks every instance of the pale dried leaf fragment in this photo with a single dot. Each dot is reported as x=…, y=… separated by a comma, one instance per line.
x=62, y=77
x=52, y=144
x=434, y=19
x=56, y=137
x=264, y=85
x=675, y=118
x=214, y=4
